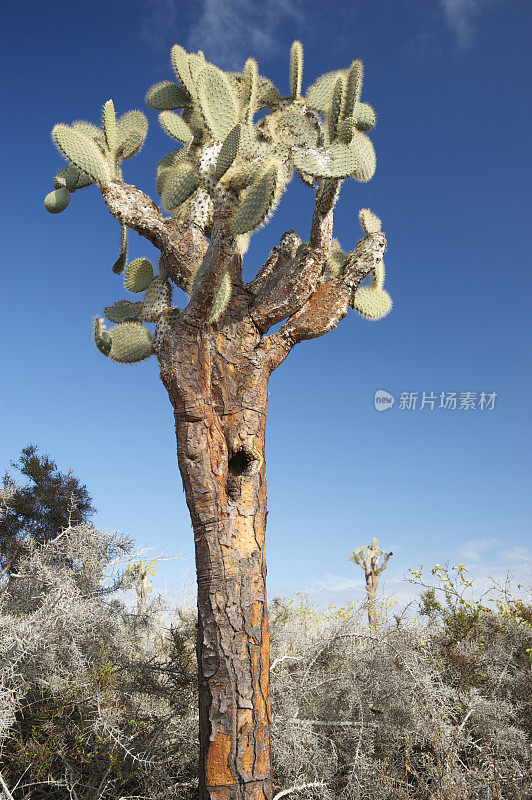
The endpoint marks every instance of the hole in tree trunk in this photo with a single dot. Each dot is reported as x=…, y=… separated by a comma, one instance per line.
x=239, y=463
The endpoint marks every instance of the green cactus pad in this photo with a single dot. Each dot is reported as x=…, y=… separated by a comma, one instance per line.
x=335, y=108
x=57, y=201
x=90, y=130
x=258, y=202
x=67, y=176
x=364, y=116
x=353, y=89
x=120, y=263
x=175, y=126
x=295, y=129
x=101, y=337
x=82, y=152
x=139, y=274
x=196, y=62
x=218, y=103
x=296, y=69
x=228, y=153
x=109, y=125
x=157, y=298
x=248, y=91
x=222, y=299
x=130, y=342
x=319, y=94
x=346, y=130
x=364, y=152
x=132, y=129
x=181, y=182
x=180, y=63
x=372, y=303
x=167, y=96
x=369, y=222
x=123, y=310
x=336, y=161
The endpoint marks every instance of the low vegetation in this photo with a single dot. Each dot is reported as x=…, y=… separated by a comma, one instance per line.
x=97, y=701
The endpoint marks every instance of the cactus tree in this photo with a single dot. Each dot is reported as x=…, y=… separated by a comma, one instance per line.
x=368, y=558
x=221, y=181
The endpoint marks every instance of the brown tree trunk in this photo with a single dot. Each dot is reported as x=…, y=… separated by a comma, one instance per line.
x=218, y=389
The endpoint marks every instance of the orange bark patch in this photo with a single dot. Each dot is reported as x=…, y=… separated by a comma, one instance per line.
x=218, y=772
x=244, y=535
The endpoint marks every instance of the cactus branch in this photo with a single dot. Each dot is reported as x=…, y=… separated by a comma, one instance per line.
x=293, y=279
x=328, y=304
x=182, y=248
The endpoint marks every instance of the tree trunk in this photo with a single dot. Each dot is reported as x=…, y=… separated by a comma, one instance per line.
x=218, y=389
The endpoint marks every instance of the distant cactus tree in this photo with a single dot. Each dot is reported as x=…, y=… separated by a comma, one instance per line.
x=137, y=575
x=220, y=184
x=368, y=558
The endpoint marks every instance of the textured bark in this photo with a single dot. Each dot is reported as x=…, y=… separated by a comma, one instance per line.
x=217, y=384
x=217, y=377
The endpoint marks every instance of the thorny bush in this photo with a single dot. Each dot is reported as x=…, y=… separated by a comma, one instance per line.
x=98, y=702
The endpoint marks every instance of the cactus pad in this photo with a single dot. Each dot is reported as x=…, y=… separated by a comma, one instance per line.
x=222, y=299
x=101, y=337
x=364, y=152
x=354, y=77
x=319, y=94
x=364, y=117
x=258, y=202
x=181, y=67
x=228, y=152
x=217, y=101
x=248, y=91
x=335, y=108
x=372, y=303
x=130, y=342
x=175, y=126
x=120, y=263
x=123, y=310
x=83, y=152
x=158, y=297
x=167, y=96
x=296, y=69
x=181, y=182
x=139, y=274
x=132, y=129
x=67, y=176
x=57, y=201
x=336, y=161
x=369, y=221
x=109, y=125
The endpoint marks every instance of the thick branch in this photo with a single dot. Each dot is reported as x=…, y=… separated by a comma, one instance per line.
x=328, y=304
x=219, y=257
x=288, y=282
x=182, y=247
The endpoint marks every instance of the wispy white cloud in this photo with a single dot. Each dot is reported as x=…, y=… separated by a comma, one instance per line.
x=228, y=31
x=461, y=14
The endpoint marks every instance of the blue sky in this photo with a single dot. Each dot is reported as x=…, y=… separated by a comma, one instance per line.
x=449, y=80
